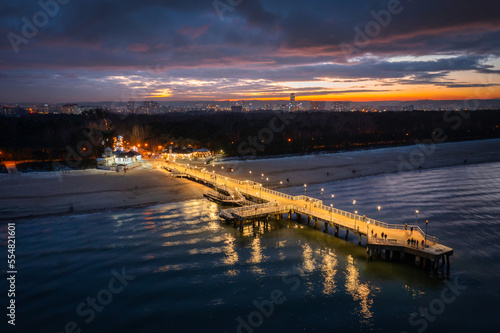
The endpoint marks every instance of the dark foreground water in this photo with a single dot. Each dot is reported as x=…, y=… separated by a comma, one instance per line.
x=176, y=268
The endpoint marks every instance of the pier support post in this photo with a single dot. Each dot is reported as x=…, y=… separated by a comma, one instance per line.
x=359, y=239
x=315, y=223
x=325, y=229
x=417, y=260
x=289, y=215
x=346, y=234
x=447, y=261
x=336, y=231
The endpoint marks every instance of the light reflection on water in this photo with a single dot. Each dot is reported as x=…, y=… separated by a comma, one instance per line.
x=190, y=265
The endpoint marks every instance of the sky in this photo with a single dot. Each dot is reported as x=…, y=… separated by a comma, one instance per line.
x=358, y=50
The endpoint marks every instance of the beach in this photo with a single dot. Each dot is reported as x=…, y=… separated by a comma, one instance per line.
x=320, y=168
x=46, y=193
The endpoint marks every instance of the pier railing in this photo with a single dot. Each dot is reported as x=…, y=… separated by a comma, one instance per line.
x=256, y=189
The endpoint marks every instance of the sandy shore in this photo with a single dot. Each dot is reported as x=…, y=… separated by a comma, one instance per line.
x=34, y=194
x=320, y=168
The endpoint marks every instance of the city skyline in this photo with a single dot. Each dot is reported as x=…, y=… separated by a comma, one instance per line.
x=63, y=51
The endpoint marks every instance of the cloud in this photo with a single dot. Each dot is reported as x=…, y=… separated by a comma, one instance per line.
x=276, y=41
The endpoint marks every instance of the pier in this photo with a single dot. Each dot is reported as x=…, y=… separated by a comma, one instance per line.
x=259, y=203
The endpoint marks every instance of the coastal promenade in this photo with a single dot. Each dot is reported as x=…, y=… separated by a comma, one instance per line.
x=390, y=240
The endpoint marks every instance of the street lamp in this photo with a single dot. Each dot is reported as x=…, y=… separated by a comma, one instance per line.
x=367, y=229
x=379, y=212
x=281, y=184
x=305, y=189
x=426, y=224
x=322, y=194
x=354, y=205
x=416, y=214
x=250, y=172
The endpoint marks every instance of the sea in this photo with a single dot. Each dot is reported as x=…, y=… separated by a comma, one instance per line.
x=178, y=268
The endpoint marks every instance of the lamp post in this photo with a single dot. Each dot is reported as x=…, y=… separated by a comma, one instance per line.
x=333, y=196
x=331, y=205
x=367, y=229
x=416, y=215
x=426, y=224
x=262, y=177
x=281, y=184
x=354, y=205
x=355, y=219
x=379, y=212
x=322, y=193
x=305, y=189
x=260, y=185
x=250, y=172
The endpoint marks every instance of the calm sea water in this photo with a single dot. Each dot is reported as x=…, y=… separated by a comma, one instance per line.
x=182, y=270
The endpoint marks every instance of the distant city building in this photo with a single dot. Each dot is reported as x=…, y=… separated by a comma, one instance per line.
x=341, y=106
x=237, y=108
x=150, y=107
x=292, y=98
x=131, y=106
x=318, y=105
x=69, y=109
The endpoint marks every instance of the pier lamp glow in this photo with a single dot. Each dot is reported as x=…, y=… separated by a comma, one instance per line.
x=331, y=220
x=367, y=229
x=426, y=224
x=379, y=212
x=250, y=172
x=305, y=189
x=354, y=205
x=416, y=215
x=322, y=190
x=281, y=184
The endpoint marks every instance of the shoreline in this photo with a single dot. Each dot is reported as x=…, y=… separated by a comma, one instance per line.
x=326, y=168
x=28, y=196
x=33, y=195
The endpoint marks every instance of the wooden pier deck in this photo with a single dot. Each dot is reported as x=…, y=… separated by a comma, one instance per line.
x=398, y=239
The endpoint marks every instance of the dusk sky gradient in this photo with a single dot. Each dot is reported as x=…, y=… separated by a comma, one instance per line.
x=185, y=50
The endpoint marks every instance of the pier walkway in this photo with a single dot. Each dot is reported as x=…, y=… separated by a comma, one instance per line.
x=392, y=239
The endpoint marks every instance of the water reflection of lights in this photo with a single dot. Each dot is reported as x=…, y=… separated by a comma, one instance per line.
x=329, y=270
x=231, y=256
x=257, y=257
x=308, y=261
x=360, y=292
x=414, y=292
